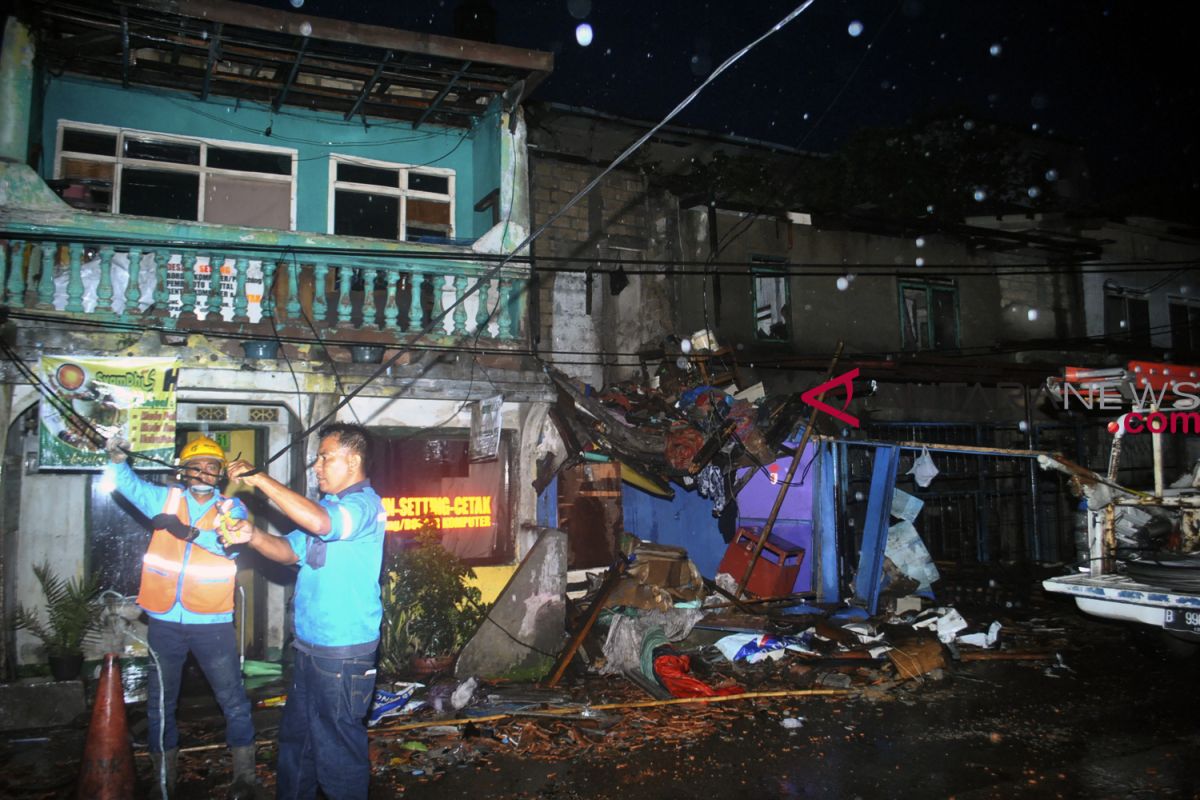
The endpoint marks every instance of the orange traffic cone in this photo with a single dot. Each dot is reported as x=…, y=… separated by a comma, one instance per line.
x=107, y=772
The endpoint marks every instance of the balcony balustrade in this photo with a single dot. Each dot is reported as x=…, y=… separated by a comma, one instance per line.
x=377, y=296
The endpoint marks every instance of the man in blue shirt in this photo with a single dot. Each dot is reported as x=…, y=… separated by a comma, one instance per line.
x=339, y=548
x=187, y=586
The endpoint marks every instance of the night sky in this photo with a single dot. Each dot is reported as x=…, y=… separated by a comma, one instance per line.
x=1118, y=77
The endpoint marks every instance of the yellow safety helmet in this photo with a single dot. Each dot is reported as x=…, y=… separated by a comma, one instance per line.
x=201, y=447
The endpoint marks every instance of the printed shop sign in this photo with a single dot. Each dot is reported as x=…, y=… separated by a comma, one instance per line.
x=95, y=398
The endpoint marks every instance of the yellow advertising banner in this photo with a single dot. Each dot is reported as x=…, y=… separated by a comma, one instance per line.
x=95, y=398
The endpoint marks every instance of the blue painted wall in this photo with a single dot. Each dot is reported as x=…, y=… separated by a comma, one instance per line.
x=486, y=167
x=686, y=521
x=313, y=135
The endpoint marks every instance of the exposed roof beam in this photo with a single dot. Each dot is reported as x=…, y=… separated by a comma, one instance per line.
x=279, y=98
x=368, y=85
x=352, y=33
x=214, y=49
x=124, y=48
x=437, y=101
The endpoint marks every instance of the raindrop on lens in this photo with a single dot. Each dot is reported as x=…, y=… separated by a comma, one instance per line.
x=297, y=3
x=305, y=28
x=577, y=8
x=980, y=195
x=1031, y=315
x=994, y=50
x=583, y=34
x=855, y=28
x=1051, y=175
x=969, y=125
x=1023, y=425
x=843, y=284
x=920, y=241
x=686, y=345
x=1034, y=191
x=681, y=362
x=920, y=262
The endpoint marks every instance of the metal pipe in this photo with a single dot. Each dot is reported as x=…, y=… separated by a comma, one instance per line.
x=242, y=625
x=945, y=448
x=1156, y=442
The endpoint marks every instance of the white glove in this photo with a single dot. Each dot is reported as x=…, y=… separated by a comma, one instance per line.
x=118, y=449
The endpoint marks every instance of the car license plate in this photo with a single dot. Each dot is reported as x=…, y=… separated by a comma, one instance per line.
x=1182, y=619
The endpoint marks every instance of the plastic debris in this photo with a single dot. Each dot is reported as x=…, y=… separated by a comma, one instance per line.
x=392, y=703
x=946, y=621
x=923, y=469
x=982, y=639
x=754, y=647
x=463, y=694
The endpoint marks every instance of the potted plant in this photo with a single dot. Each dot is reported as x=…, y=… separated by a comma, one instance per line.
x=73, y=609
x=430, y=609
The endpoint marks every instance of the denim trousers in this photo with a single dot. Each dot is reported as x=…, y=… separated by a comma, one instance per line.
x=323, y=732
x=215, y=648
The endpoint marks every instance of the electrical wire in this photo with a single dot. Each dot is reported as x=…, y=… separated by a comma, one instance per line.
x=808, y=269
x=634, y=358
x=495, y=270
x=337, y=378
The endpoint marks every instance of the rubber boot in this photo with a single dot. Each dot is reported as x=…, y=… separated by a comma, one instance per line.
x=171, y=758
x=243, y=785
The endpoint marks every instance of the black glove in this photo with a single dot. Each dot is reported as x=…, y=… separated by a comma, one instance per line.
x=172, y=525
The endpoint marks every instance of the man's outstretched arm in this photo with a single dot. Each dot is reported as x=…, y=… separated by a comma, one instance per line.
x=307, y=514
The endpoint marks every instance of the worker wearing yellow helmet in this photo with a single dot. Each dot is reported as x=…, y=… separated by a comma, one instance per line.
x=202, y=462
x=187, y=588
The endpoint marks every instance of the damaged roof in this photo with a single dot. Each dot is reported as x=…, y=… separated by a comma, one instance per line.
x=216, y=47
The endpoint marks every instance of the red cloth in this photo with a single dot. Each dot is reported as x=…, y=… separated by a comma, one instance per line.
x=672, y=672
x=683, y=442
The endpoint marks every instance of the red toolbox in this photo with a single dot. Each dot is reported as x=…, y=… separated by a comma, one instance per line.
x=777, y=566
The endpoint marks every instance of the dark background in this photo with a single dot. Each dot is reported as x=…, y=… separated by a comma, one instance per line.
x=1116, y=77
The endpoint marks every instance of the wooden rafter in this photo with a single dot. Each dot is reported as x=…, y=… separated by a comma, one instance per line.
x=214, y=50
x=369, y=84
x=220, y=48
x=291, y=78
x=437, y=101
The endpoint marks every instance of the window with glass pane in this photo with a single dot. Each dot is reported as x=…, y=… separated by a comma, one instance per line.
x=1127, y=315
x=159, y=193
x=161, y=177
x=928, y=315
x=391, y=201
x=772, y=312
x=361, y=214
x=1185, y=327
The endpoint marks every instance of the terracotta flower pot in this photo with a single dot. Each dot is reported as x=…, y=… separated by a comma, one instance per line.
x=428, y=666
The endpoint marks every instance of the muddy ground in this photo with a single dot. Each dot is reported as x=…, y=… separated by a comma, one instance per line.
x=1102, y=712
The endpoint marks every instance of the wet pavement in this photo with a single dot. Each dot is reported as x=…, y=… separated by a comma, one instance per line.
x=1098, y=712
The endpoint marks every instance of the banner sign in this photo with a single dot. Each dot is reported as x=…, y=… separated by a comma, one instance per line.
x=96, y=398
x=447, y=513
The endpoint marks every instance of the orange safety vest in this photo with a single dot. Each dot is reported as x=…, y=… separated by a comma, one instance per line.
x=171, y=568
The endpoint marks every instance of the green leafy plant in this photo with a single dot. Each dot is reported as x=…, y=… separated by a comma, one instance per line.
x=429, y=608
x=73, y=610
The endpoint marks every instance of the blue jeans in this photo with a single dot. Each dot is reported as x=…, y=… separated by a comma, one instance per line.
x=323, y=733
x=215, y=648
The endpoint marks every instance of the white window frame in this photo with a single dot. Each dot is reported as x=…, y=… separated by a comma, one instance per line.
x=119, y=161
x=402, y=192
